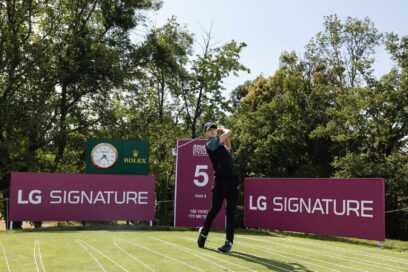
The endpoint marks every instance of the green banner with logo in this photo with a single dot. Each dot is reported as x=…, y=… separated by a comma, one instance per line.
x=117, y=157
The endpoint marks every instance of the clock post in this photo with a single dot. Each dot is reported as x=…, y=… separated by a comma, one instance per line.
x=114, y=156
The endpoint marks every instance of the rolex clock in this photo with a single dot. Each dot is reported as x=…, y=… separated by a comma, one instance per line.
x=117, y=156
x=104, y=155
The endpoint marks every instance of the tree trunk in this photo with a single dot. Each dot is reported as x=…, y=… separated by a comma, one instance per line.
x=62, y=135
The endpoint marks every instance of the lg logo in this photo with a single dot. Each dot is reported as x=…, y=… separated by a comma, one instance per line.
x=260, y=204
x=34, y=197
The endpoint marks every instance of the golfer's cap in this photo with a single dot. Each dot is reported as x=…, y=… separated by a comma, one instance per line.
x=209, y=125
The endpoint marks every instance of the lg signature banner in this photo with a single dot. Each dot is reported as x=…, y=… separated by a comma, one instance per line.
x=194, y=179
x=339, y=207
x=82, y=197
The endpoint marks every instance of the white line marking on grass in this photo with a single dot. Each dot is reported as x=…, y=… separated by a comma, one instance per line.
x=35, y=257
x=187, y=250
x=225, y=261
x=257, y=261
x=93, y=256
x=163, y=255
x=133, y=257
x=296, y=257
x=369, y=263
x=5, y=257
x=39, y=255
x=361, y=253
x=102, y=254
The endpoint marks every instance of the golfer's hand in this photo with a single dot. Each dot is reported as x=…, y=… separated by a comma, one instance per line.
x=220, y=130
x=225, y=135
x=227, y=145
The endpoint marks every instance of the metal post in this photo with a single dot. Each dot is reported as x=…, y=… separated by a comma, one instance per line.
x=7, y=215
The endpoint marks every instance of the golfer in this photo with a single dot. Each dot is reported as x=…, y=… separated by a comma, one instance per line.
x=226, y=183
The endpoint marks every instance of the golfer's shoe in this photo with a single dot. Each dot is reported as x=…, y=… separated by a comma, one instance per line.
x=226, y=248
x=201, y=238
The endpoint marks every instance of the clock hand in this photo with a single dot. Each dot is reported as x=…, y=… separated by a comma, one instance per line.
x=103, y=157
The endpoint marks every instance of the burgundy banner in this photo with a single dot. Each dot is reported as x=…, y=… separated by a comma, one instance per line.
x=81, y=197
x=338, y=207
x=194, y=179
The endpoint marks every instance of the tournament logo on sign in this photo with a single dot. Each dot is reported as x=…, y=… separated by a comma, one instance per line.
x=199, y=150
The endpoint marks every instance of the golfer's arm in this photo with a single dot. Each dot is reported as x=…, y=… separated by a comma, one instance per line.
x=226, y=134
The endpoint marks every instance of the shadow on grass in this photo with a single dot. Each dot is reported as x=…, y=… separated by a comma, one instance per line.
x=268, y=263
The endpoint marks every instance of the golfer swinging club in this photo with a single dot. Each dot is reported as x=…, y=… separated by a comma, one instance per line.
x=226, y=183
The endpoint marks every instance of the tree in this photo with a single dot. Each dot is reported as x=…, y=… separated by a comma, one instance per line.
x=60, y=62
x=201, y=89
x=273, y=124
x=345, y=50
x=379, y=124
x=327, y=115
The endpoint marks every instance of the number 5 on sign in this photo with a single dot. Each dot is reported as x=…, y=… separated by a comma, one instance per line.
x=198, y=173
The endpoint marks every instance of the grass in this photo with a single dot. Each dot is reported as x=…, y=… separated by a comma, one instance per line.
x=124, y=248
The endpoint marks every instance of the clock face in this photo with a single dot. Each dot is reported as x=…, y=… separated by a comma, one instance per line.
x=104, y=155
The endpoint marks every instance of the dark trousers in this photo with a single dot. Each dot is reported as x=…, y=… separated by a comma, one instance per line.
x=223, y=188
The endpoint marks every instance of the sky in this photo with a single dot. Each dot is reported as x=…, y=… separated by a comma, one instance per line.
x=269, y=27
